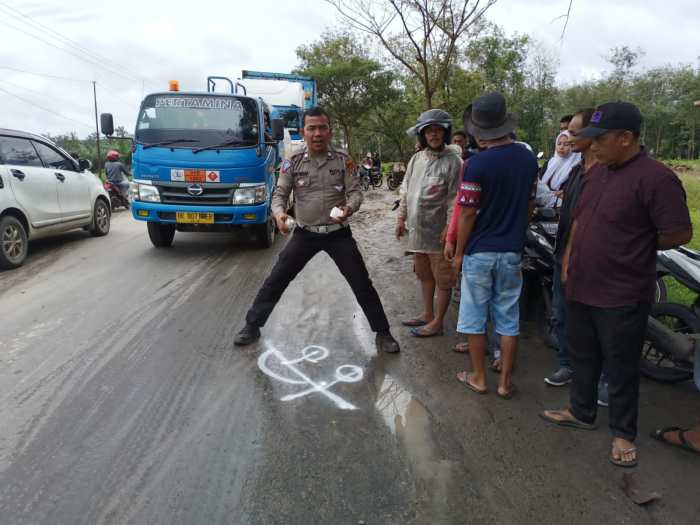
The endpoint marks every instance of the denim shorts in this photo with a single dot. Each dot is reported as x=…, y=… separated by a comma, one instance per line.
x=491, y=281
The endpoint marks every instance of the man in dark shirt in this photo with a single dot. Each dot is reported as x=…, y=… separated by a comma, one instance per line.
x=572, y=190
x=494, y=203
x=630, y=206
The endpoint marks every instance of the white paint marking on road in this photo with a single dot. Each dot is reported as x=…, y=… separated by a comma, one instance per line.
x=312, y=354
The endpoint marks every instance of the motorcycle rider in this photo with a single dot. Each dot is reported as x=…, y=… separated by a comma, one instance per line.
x=427, y=200
x=117, y=174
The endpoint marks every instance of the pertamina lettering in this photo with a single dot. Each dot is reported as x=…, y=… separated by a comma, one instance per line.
x=199, y=103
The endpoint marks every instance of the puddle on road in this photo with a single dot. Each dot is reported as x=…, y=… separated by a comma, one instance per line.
x=410, y=422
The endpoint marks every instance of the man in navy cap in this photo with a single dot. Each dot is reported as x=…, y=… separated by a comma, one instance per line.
x=630, y=206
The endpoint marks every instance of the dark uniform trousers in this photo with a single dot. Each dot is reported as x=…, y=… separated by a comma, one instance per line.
x=302, y=247
x=614, y=336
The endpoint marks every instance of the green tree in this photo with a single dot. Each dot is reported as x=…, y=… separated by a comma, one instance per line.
x=350, y=83
x=424, y=37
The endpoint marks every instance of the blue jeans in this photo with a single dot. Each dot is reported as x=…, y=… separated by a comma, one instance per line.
x=559, y=316
x=491, y=285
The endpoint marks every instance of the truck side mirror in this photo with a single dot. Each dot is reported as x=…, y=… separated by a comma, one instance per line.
x=84, y=164
x=107, y=124
x=277, y=129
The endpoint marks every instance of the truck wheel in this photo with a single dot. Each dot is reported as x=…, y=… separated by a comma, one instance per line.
x=100, y=219
x=265, y=233
x=13, y=243
x=161, y=235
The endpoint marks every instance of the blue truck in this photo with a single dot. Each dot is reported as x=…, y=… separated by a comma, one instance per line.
x=204, y=161
x=288, y=95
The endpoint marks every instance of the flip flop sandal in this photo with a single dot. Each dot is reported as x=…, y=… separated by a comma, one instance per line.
x=509, y=394
x=659, y=433
x=619, y=462
x=495, y=369
x=573, y=422
x=461, y=348
x=420, y=332
x=463, y=377
x=414, y=322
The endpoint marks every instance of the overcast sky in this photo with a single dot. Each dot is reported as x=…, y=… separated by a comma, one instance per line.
x=135, y=47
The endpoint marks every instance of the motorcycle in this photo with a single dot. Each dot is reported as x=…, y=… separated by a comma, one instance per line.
x=116, y=197
x=671, y=351
x=538, y=267
x=395, y=177
x=370, y=175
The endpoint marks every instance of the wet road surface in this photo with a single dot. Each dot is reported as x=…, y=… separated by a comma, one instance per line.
x=122, y=400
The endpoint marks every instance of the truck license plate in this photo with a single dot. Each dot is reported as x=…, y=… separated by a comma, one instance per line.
x=188, y=217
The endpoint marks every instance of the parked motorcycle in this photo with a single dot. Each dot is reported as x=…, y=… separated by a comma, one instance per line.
x=538, y=266
x=116, y=197
x=671, y=350
x=370, y=175
x=395, y=177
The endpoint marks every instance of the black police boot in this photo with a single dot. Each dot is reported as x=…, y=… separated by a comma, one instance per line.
x=386, y=343
x=247, y=335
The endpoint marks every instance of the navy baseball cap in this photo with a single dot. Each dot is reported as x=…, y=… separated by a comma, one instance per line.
x=613, y=115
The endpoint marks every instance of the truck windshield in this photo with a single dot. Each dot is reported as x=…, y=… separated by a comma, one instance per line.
x=197, y=121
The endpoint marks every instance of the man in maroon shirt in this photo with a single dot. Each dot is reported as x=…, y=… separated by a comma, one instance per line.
x=630, y=206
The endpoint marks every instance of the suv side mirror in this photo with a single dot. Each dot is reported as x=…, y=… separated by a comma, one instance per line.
x=107, y=124
x=277, y=129
x=84, y=164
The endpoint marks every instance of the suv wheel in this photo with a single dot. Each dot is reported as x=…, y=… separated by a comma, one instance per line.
x=13, y=242
x=100, y=219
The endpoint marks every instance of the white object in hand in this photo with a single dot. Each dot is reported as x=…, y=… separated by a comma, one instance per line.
x=290, y=223
x=336, y=212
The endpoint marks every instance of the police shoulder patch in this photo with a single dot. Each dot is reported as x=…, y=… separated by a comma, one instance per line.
x=286, y=164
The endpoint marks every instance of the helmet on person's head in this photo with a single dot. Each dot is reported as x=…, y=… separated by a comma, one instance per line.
x=432, y=117
x=112, y=155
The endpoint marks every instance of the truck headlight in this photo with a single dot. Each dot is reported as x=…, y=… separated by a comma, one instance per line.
x=250, y=195
x=148, y=193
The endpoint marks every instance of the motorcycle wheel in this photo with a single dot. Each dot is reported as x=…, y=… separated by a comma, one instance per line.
x=364, y=182
x=391, y=183
x=658, y=365
x=377, y=182
x=661, y=291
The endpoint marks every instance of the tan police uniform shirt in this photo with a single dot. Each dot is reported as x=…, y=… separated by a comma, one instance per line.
x=319, y=184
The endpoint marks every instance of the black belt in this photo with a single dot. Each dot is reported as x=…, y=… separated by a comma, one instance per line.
x=324, y=228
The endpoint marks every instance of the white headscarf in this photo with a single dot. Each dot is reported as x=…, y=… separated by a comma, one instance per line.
x=558, y=169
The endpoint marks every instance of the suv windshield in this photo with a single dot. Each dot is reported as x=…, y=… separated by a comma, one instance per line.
x=197, y=121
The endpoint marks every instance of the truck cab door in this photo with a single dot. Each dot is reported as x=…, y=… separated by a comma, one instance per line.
x=34, y=187
x=73, y=190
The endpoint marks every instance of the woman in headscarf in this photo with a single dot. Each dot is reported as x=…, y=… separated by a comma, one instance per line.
x=558, y=169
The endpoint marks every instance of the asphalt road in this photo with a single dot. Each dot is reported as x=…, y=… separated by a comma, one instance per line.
x=122, y=400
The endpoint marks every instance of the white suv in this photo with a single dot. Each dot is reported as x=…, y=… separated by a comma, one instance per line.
x=44, y=191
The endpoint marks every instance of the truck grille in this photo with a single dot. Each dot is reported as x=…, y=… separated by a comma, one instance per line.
x=213, y=194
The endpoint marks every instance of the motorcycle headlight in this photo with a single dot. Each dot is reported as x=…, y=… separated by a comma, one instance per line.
x=148, y=193
x=250, y=195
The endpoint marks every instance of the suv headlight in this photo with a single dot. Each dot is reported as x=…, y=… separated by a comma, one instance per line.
x=250, y=195
x=148, y=193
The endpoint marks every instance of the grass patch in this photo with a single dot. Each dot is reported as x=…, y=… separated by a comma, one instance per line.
x=677, y=293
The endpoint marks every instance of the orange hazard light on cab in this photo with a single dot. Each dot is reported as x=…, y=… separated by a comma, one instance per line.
x=174, y=85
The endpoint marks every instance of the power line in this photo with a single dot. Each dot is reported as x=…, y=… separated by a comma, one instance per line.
x=37, y=92
x=34, y=24
x=17, y=70
x=45, y=109
x=110, y=91
x=84, y=59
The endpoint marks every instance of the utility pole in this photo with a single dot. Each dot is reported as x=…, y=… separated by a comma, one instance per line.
x=97, y=128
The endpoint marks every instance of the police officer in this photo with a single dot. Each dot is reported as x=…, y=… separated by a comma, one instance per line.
x=322, y=179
